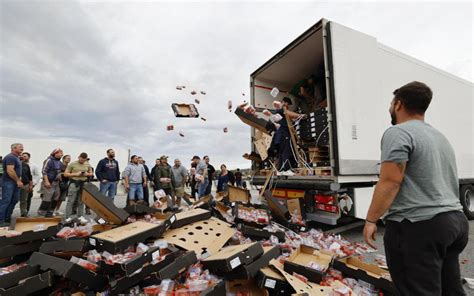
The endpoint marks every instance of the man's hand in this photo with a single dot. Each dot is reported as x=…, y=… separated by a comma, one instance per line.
x=370, y=232
x=30, y=188
x=104, y=181
x=127, y=187
x=47, y=184
x=19, y=183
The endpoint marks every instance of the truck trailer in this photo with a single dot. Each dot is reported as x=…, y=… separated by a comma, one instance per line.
x=359, y=75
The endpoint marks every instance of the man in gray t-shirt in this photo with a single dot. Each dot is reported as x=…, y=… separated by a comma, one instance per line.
x=418, y=192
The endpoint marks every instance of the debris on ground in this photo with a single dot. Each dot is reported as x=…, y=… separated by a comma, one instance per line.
x=212, y=246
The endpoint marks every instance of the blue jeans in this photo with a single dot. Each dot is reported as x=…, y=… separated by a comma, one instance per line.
x=10, y=197
x=109, y=189
x=135, y=189
x=203, y=187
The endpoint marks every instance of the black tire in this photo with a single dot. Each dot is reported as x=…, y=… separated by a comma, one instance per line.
x=466, y=193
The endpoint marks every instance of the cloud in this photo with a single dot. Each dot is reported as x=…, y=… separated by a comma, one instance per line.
x=106, y=72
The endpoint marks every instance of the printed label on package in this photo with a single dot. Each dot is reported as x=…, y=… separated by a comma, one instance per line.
x=155, y=255
x=269, y=283
x=92, y=241
x=234, y=262
x=173, y=218
x=101, y=221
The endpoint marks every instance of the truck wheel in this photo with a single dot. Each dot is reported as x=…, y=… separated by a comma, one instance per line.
x=467, y=200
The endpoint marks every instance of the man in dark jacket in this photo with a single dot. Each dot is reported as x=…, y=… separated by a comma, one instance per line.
x=164, y=179
x=108, y=173
x=146, y=192
x=27, y=180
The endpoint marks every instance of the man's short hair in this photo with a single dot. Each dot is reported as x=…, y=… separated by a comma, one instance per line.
x=83, y=155
x=108, y=150
x=13, y=146
x=27, y=153
x=205, y=156
x=415, y=97
x=132, y=157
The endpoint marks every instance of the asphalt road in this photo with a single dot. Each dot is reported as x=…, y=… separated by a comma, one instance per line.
x=355, y=234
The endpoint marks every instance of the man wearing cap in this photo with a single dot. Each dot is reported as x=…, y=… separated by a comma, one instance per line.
x=50, y=187
x=180, y=177
x=164, y=179
x=281, y=142
x=78, y=173
x=134, y=179
x=11, y=183
x=202, y=179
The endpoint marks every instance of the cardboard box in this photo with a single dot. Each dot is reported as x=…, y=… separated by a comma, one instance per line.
x=370, y=273
x=122, y=284
x=217, y=290
x=15, y=250
x=237, y=194
x=185, y=110
x=167, y=219
x=65, y=248
x=260, y=234
x=279, y=212
x=131, y=265
x=301, y=257
x=180, y=264
x=102, y=205
x=294, y=205
x=26, y=227
x=260, y=124
x=274, y=282
x=220, y=210
x=141, y=210
x=203, y=203
x=239, y=219
x=300, y=287
x=229, y=258
x=191, y=216
x=245, y=287
x=203, y=237
x=69, y=270
x=120, y=238
x=250, y=271
x=25, y=281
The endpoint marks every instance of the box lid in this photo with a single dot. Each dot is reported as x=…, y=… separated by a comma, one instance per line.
x=103, y=206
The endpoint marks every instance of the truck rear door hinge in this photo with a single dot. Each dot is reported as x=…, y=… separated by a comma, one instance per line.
x=329, y=117
x=328, y=74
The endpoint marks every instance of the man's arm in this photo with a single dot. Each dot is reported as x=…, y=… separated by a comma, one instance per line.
x=68, y=173
x=117, y=171
x=157, y=179
x=391, y=176
x=144, y=176
x=12, y=174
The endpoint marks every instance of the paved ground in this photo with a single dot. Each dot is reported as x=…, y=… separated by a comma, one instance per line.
x=467, y=269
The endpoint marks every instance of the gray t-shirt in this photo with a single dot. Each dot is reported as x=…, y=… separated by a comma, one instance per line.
x=201, y=169
x=430, y=185
x=179, y=174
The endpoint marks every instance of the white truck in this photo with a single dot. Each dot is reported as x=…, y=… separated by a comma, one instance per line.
x=360, y=76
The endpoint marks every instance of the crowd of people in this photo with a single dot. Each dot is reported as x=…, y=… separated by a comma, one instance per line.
x=61, y=180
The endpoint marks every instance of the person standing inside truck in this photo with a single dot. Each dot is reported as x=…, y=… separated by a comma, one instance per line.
x=108, y=174
x=418, y=192
x=281, y=141
x=310, y=94
x=78, y=173
x=50, y=186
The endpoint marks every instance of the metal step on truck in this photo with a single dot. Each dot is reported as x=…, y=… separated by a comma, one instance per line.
x=341, y=141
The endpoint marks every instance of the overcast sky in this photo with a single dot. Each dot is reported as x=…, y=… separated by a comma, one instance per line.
x=106, y=72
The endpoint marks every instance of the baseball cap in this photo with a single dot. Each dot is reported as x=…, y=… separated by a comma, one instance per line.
x=163, y=157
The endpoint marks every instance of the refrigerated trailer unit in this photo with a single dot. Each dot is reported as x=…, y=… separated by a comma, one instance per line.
x=360, y=76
